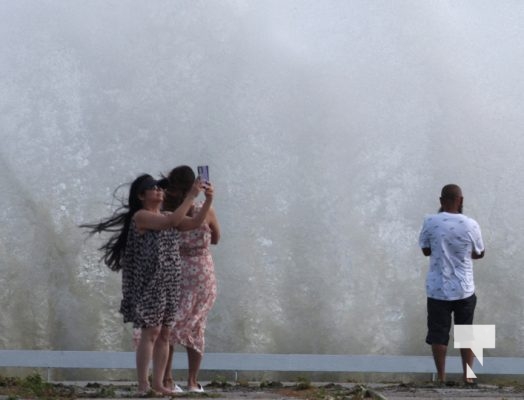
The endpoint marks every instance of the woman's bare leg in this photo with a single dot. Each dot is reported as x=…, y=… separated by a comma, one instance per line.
x=144, y=354
x=160, y=355
x=194, y=359
x=168, y=373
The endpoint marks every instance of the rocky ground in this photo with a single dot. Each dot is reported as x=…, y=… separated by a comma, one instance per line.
x=34, y=387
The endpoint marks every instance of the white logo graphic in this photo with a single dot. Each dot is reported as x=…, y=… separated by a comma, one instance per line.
x=476, y=338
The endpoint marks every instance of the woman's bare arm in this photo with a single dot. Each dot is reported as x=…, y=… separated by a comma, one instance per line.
x=212, y=221
x=148, y=220
x=196, y=220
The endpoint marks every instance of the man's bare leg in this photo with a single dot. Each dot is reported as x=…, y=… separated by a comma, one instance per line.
x=467, y=359
x=439, y=355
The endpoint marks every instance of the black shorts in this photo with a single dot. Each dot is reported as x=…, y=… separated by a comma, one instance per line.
x=439, y=317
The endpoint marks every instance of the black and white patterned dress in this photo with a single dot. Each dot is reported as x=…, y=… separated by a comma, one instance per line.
x=151, y=277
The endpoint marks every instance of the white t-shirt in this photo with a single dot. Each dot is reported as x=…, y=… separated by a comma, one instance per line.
x=452, y=238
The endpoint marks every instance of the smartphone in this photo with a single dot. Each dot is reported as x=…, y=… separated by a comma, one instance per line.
x=203, y=173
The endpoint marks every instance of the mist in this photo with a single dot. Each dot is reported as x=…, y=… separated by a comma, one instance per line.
x=329, y=128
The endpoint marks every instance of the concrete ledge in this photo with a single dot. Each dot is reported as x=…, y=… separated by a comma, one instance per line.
x=259, y=362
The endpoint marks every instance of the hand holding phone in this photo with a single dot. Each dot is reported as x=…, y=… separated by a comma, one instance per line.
x=203, y=173
x=209, y=191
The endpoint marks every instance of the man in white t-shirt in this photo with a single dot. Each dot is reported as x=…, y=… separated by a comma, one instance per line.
x=452, y=241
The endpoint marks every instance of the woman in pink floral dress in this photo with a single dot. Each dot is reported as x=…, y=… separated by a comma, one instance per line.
x=198, y=288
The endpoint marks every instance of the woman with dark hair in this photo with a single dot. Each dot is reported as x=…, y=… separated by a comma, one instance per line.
x=144, y=245
x=198, y=288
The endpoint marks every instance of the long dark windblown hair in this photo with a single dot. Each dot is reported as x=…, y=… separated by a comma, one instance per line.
x=180, y=180
x=118, y=224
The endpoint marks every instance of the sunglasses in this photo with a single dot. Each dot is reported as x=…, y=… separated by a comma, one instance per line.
x=156, y=188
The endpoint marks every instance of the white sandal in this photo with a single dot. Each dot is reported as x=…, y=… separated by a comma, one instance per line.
x=198, y=389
